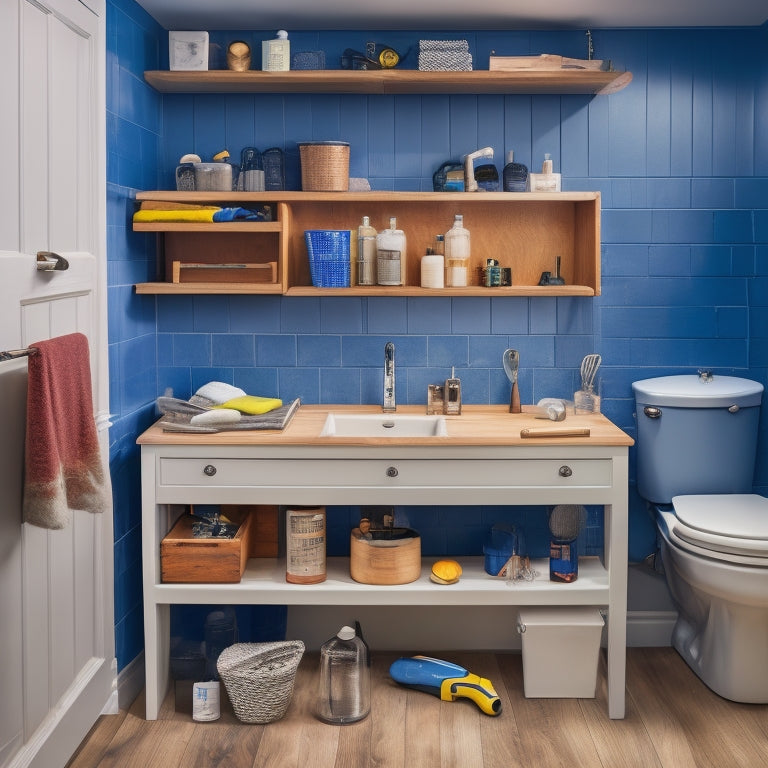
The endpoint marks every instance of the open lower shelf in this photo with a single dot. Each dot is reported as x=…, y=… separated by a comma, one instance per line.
x=264, y=582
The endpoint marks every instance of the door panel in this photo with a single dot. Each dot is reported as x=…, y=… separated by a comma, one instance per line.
x=57, y=632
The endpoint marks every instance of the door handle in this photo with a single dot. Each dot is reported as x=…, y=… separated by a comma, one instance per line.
x=50, y=262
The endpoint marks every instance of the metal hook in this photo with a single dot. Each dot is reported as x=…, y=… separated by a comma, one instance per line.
x=50, y=262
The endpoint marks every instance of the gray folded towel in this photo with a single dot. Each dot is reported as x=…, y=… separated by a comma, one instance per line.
x=177, y=416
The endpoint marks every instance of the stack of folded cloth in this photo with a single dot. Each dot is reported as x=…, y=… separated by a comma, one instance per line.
x=198, y=213
x=217, y=406
x=444, y=56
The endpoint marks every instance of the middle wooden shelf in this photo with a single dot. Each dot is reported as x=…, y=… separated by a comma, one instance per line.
x=524, y=231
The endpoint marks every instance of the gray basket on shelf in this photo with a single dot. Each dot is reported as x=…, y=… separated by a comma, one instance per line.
x=259, y=678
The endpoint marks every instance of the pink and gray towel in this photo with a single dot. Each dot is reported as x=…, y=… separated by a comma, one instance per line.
x=63, y=465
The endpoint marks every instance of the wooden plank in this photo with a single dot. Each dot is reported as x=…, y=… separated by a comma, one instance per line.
x=392, y=81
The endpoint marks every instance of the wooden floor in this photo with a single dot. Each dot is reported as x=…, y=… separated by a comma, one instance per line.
x=672, y=720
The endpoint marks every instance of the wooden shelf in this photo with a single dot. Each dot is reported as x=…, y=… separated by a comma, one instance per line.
x=180, y=289
x=391, y=81
x=525, y=231
x=228, y=226
x=417, y=290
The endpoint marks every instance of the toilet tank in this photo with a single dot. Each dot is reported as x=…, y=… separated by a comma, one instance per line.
x=695, y=434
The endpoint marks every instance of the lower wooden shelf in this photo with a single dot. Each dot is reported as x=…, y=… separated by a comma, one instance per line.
x=264, y=582
x=208, y=288
x=362, y=290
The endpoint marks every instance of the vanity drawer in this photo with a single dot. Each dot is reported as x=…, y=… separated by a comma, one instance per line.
x=383, y=473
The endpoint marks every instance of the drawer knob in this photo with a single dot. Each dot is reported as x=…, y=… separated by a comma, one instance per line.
x=565, y=471
x=392, y=472
x=209, y=470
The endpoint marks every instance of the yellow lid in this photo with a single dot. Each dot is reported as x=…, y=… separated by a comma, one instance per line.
x=219, y=156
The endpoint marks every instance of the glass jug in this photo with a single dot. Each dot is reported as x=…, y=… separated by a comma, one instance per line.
x=344, y=694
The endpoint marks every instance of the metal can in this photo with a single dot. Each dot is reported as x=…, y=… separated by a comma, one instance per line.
x=305, y=545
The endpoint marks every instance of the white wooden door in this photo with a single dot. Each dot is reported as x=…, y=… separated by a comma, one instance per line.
x=57, y=663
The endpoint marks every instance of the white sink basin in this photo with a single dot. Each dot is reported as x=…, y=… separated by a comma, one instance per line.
x=383, y=425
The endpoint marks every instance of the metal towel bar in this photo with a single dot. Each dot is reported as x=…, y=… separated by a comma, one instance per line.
x=12, y=354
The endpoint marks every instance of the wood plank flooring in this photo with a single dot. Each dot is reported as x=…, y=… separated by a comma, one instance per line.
x=673, y=721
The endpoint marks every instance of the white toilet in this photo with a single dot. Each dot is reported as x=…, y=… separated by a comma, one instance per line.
x=696, y=447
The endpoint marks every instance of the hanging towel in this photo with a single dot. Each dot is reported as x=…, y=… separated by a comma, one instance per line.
x=63, y=468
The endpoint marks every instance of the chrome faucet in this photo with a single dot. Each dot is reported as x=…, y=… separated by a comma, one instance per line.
x=389, y=378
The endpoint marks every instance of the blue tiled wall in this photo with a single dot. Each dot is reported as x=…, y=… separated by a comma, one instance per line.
x=134, y=134
x=681, y=160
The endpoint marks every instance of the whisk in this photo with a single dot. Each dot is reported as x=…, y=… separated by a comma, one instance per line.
x=589, y=367
x=566, y=521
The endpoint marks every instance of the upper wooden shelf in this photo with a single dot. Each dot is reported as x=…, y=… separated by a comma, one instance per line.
x=389, y=81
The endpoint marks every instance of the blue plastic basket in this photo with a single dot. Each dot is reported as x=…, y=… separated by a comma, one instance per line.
x=328, y=251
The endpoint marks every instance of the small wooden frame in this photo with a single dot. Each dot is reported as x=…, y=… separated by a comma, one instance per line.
x=227, y=273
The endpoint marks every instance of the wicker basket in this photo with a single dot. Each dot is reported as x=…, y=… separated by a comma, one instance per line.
x=324, y=166
x=259, y=678
x=328, y=252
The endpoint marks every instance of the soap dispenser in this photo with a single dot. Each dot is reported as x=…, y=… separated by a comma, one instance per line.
x=344, y=694
x=547, y=180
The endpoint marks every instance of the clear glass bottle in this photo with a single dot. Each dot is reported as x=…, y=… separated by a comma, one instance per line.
x=366, y=253
x=220, y=632
x=457, y=251
x=344, y=694
x=390, y=255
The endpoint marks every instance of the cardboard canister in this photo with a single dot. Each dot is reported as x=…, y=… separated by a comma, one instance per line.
x=305, y=545
x=385, y=557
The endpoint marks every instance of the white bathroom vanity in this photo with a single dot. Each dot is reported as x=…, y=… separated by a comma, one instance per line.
x=483, y=460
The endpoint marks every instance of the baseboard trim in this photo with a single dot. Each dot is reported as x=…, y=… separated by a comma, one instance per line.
x=650, y=629
x=130, y=682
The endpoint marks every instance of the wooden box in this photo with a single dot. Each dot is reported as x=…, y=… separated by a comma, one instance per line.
x=188, y=560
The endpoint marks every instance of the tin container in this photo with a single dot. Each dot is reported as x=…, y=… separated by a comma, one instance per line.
x=305, y=545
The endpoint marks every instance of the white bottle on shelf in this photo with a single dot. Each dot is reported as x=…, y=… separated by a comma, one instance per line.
x=276, y=53
x=432, y=270
x=457, y=251
x=390, y=255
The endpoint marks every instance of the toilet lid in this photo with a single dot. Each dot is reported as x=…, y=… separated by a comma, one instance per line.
x=735, y=523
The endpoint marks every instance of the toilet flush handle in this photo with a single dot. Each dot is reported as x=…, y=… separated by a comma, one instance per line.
x=652, y=412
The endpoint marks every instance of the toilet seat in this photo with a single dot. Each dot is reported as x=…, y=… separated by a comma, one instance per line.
x=730, y=527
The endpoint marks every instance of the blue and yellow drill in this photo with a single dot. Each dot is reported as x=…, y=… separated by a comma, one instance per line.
x=447, y=680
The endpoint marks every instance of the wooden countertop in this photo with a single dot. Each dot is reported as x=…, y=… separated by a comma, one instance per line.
x=478, y=425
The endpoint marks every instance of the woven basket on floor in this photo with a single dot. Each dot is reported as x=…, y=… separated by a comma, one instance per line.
x=324, y=166
x=259, y=678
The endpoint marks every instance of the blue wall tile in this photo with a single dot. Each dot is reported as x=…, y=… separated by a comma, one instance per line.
x=679, y=156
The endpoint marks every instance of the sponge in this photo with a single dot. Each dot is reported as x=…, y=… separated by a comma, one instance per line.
x=252, y=404
x=445, y=572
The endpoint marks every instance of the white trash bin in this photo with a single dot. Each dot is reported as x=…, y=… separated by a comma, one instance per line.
x=560, y=651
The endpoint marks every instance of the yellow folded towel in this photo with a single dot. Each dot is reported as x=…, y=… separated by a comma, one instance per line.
x=252, y=404
x=194, y=214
